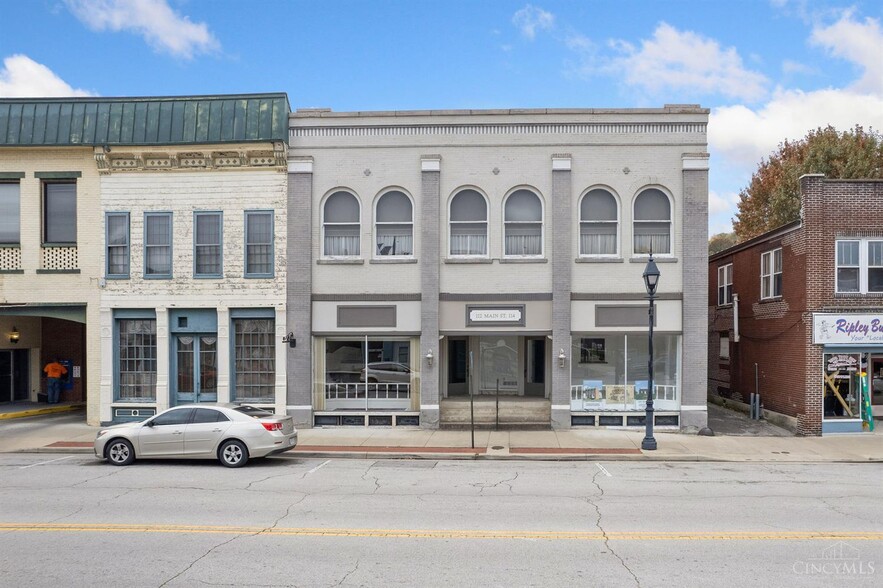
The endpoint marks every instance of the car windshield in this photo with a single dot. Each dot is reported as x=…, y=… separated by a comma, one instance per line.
x=253, y=411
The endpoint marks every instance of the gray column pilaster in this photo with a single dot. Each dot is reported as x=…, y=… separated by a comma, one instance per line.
x=299, y=286
x=430, y=261
x=562, y=265
x=694, y=362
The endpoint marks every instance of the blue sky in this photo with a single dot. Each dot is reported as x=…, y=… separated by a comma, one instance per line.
x=769, y=70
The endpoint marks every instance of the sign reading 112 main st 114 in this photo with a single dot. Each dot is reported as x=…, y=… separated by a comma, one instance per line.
x=508, y=316
x=847, y=329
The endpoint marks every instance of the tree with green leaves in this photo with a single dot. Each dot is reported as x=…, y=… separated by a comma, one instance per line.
x=721, y=241
x=772, y=198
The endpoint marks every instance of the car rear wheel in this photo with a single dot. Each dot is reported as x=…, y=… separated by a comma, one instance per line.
x=120, y=452
x=233, y=454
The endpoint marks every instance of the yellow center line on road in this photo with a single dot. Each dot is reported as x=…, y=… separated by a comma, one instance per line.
x=449, y=533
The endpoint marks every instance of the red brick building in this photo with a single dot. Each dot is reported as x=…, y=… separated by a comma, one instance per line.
x=809, y=300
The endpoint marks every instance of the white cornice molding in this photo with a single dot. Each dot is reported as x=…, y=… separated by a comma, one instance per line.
x=561, y=162
x=430, y=163
x=303, y=165
x=638, y=128
x=113, y=161
x=695, y=161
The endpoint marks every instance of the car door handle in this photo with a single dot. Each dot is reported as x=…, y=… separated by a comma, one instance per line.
x=177, y=432
x=217, y=430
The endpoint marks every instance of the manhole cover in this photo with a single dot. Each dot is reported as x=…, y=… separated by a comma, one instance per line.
x=497, y=447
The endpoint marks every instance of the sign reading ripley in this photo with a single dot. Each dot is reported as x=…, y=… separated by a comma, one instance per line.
x=847, y=328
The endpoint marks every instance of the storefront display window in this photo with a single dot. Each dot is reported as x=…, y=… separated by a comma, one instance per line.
x=842, y=383
x=612, y=372
x=367, y=373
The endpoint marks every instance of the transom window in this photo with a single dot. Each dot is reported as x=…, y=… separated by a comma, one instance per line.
x=598, y=223
x=10, y=213
x=207, y=244
x=523, y=220
x=725, y=284
x=771, y=274
x=860, y=266
x=60, y=212
x=117, y=244
x=158, y=244
x=342, y=226
x=652, y=225
x=394, y=225
x=468, y=224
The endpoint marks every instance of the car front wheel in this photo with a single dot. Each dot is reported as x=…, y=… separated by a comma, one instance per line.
x=120, y=452
x=233, y=454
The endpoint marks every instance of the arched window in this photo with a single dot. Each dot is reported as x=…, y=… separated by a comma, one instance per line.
x=652, y=222
x=468, y=224
x=523, y=220
x=394, y=225
x=598, y=223
x=341, y=225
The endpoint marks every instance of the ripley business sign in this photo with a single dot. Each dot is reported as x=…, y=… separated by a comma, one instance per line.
x=847, y=329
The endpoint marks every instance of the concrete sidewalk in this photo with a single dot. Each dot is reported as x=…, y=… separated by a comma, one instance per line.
x=68, y=433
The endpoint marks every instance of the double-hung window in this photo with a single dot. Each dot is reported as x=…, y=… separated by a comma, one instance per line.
x=394, y=225
x=60, y=213
x=859, y=266
x=10, y=213
x=523, y=220
x=725, y=284
x=598, y=223
x=341, y=226
x=771, y=274
x=207, y=248
x=652, y=223
x=258, y=243
x=117, y=243
x=468, y=224
x=158, y=245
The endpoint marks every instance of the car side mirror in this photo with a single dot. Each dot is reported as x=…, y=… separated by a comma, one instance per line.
x=149, y=423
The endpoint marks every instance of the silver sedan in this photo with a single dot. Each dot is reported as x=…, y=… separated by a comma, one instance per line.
x=229, y=433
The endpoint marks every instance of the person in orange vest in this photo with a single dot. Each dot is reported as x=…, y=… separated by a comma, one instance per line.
x=54, y=371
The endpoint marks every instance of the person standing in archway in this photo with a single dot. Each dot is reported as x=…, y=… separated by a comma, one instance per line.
x=54, y=372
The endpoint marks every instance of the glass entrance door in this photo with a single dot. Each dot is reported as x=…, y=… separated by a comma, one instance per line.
x=876, y=384
x=196, y=358
x=457, y=366
x=498, y=364
x=5, y=376
x=535, y=366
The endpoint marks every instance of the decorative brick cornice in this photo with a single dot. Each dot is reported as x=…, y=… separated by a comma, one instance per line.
x=180, y=160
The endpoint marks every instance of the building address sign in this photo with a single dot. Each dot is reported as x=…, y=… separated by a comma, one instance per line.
x=508, y=316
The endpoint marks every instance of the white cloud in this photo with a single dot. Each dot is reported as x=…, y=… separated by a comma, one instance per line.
x=744, y=136
x=790, y=67
x=858, y=42
x=163, y=28
x=721, y=203
x=686, y=61
x=530, y=18
x=23, y=77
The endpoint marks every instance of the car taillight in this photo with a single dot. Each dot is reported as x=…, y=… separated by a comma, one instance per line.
x=272, y=426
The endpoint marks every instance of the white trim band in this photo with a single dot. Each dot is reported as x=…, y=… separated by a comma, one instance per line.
x=694, y=407
x=429, y=407
x=430, y=165
x=300, y=407
x=561, y=164
x=300, y=167
x=695, y=163
x=561, y=407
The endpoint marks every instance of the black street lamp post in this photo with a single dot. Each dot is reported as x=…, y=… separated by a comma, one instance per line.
x=651, y=279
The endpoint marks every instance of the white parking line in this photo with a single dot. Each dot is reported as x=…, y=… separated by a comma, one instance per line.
x=603, y=469
x=321, y=465
x=45, y=462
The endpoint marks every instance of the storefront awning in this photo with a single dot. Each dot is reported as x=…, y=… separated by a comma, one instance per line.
x=67, y=312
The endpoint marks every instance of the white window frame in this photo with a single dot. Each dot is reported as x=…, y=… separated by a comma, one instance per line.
x=725, y=284
x=14, y=212
x=864, y=265
x=669, y=220
x=451, y=223
x=541, y=222
x=376, y=253
x=582, y=221
x=347, y=224
x=724, y=346
x=768, y=280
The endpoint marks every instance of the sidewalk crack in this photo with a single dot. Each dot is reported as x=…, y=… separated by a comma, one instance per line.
x=603, y=532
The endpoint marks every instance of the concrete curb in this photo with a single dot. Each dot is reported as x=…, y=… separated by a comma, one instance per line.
x=502, y=457
x=40, y=411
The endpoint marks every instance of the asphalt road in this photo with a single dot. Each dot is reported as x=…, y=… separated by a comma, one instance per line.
x=70, y=520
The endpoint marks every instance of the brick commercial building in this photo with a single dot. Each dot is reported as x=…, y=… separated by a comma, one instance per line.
x=434, y=255
x=808, y=298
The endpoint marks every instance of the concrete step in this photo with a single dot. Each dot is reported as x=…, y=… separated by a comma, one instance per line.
x=514, y=412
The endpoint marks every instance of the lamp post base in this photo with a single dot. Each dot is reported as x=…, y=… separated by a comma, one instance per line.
x=648, y=444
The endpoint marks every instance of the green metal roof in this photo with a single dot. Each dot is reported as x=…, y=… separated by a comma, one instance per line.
x=173, y=120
